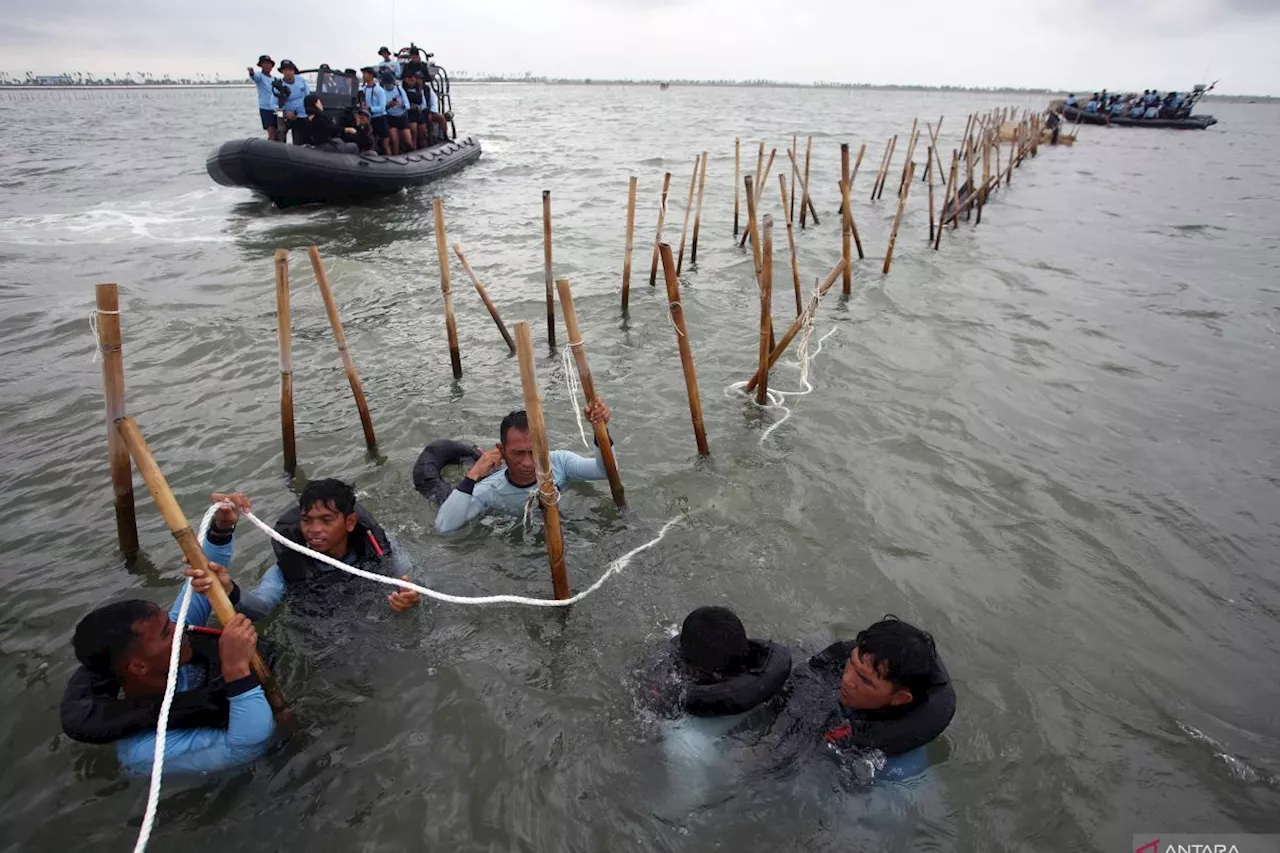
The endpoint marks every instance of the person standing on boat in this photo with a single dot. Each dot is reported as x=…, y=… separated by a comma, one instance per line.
x=266, y=97
x=397, y=113
x=504, y=478
x=418, y=107
x=374, y=98
x=293, y=104
x=1072, y=101
x=387, y=63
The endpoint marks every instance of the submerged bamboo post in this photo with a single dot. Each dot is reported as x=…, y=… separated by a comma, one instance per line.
x=626, y=257
x=688, y=209
x=484, y=297
x=110, y=346
x=845, y=235
x=737, y=168
x=697, y=214
x=928, y=176
x=946, y=196
x=686, y=353
x=446, y=288
x=807, y=200
x=546, y=269
x=547, y=494
x=283, y=330
x=662, y=217
x=766, y=312
x=353, y=378
x=791, y=242
x=589, y=390
x=785, y=340
x=181, y=530
x=897, y=220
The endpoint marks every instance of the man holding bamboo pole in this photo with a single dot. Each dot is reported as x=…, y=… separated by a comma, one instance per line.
x=505, y=476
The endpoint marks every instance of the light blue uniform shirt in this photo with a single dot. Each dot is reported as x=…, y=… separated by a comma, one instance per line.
x=266, y=97
x=375, y=98
x=390, y=64
x=298, y=91
x=397, y=93
x=499, y=493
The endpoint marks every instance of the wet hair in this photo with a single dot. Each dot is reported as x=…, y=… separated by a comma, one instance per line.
x=902, y=654
x=329, y=491
x=105, y=636
x=713, y=641
x=515, y=420
x=309, y=104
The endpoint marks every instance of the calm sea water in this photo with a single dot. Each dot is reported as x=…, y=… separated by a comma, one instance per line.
x=1052, y=443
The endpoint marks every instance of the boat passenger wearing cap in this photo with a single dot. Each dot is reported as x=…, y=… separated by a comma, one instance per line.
x=374, y=99
x=397, y=113
x=387, y=63
x=294, y=99
x=266, y=97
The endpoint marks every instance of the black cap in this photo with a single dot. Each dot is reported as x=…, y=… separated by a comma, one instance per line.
x=384, y=49
x=265, y=58
x=413, y=50
x=287, y=63
x=367, y=69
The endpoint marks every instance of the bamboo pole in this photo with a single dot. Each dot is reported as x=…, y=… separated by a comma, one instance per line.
x=737, y=168
x=626, y=257
x=353, y=378
x=893, y=146
x=911, y=151
x=955, y=200
x=760, y=161
x=804, y=186
x=547, y=494
x=759, y=184
x=933, y=138
x=785, y=340
x=283, y=330
x=753, y=228
x=181, y=530
x=686, y=353
x=697, y=214
x=969, y=182
x=484, y=297
x=845, y=235
x=662, y=216
x=766, y=312
x=846, y=193
x=951, y=179
x=795, y=170
x=446, y=287
x=806, y=200
x=546, y=268
x=986, y=175
x=897, y=220
x=928, y=175
x=857, y=164
x=589, y=390
x=791, y=243
x=688, y=210
x=110, y=345
x=884, y=165
x=1008, y=177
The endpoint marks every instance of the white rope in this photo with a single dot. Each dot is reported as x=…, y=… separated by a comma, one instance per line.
x=93, y=327
x=573, y=383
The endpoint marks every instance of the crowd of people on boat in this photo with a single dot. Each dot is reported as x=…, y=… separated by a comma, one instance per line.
x=886, y=689
x=1149, y=105
x=396, y=109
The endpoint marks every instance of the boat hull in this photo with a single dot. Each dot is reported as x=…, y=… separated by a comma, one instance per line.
x=1199, y=122
x=301, y=174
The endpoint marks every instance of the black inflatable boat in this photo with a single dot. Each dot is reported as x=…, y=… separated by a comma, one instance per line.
x=1200, y=122
x=300, y=174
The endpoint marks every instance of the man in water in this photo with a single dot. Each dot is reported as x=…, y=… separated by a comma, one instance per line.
x=294, y=111
x=374, y=99
x=503, y=478
x=328, y=520
x=266, y=97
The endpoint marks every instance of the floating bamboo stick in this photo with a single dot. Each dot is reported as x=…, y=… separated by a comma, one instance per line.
x=353, y=378
x=546, y=269
x=283, y=328
x=589, y=390
x=686, y=353
x=806, y=200
x=110, y=346
x=766, y=312
x=845, y=235
x=791, y=243
x=484, y=297
x=697, y=214
x=181, y=530
x=446, y=287
x=662, y=216
x=897, y=220
x=785, y=340
x=688, y=210
x=626, y=257
x=946, y=195
x=737, y=167
x=548, y=496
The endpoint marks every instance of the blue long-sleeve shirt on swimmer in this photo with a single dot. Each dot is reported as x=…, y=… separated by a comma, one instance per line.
x=249, y=728
x=471, y=499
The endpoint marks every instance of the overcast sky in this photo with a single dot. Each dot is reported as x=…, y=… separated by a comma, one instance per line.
x=1076, y=44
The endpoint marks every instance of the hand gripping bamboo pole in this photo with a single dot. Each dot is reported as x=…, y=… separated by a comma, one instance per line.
x=686, y=353
x=546, y=269
x=897, y=220
x=181, y=530
x=791, y=243
x=845, y=236
x=766, y=312
x=548, y=495
x=688, y=210
x=484, y=297
x=785, y=340
x=657, y=241
x=446, y=287
x=331, y=307
x=589, y=389
x=283, y=331
x=110, y=346
x=626, y=257
x=697, y=214
x=737, y=189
